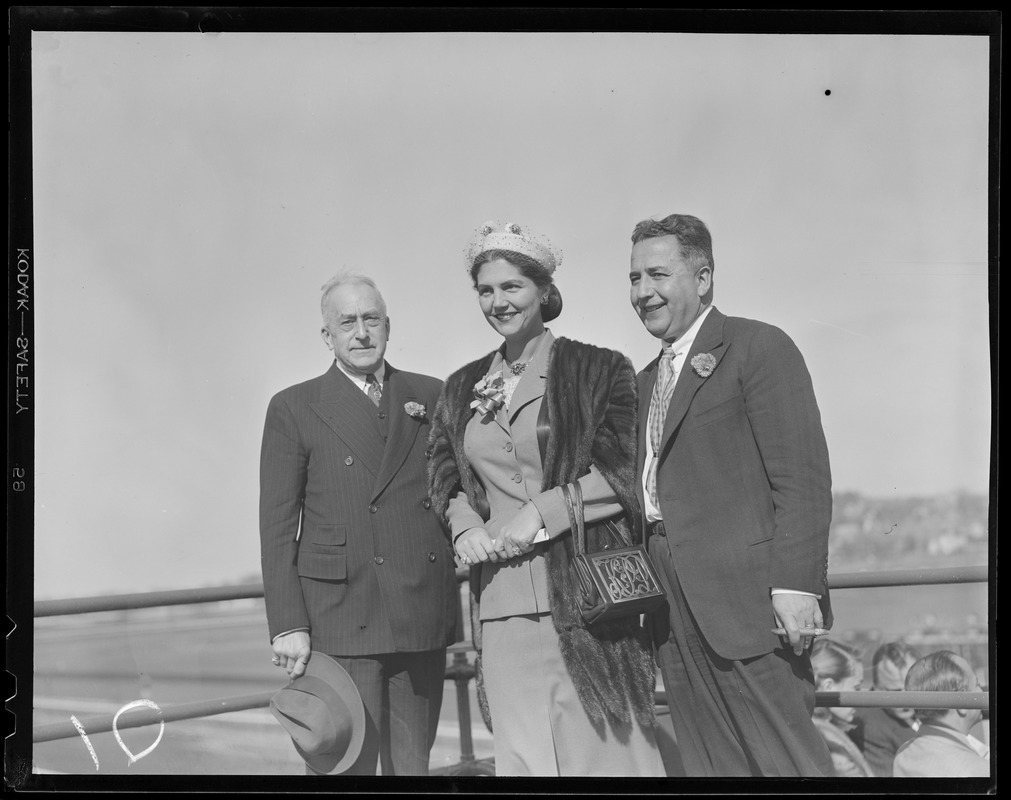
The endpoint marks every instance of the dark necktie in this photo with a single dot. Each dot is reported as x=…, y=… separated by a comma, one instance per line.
x=375, y=391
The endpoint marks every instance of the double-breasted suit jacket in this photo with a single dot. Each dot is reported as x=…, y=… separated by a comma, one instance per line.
x=743, y=481
x=369, y=570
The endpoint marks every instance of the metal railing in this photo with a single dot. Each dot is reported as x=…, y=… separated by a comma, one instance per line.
x=252, y=591
x=461, y=671
x=127, y=602
x=144, y=715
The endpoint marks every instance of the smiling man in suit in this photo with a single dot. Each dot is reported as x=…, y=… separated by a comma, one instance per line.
x=737, y=501
x=355, y=564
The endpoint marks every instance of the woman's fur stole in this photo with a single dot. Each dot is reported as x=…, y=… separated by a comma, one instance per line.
x=591, y=399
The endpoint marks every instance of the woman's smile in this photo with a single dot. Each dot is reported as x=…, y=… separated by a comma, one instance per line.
x=511, y=302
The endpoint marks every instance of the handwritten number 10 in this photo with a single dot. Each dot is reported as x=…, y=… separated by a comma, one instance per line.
x=115, y=732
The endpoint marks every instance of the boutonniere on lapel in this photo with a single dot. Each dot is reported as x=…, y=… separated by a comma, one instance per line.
x=704, y=364
x=416, y=410
x=490, y=394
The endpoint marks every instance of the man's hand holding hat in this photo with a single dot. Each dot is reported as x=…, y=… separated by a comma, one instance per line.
x=323, y=713
x=292, y=651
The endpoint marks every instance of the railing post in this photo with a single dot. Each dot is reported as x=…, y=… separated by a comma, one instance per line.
x=464, y=672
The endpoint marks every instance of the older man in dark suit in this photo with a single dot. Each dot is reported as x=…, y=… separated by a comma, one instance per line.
x=737, y=501
x=355, y=564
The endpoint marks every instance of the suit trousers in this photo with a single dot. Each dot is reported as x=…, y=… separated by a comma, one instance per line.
x=734, y=718
x=402, y=695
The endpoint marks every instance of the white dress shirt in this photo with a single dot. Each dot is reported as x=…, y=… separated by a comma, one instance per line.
x=362, y=382
x=681, y=348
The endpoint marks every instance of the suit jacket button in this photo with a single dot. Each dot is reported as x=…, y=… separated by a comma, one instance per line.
x=349, y=461
x=373, y=509
x=382, y=415
x=427, y=503
x=379, y=559
x=517, y=478
x=509, y=447
x=431, y=556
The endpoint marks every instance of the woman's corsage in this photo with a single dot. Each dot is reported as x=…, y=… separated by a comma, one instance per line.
x=416, y=410
x=704, y=364
x=490, y=394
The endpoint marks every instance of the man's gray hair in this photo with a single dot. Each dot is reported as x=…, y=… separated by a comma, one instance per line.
x=348, y=278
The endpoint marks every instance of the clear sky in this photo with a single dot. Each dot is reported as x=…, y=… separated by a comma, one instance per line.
x=192, y=193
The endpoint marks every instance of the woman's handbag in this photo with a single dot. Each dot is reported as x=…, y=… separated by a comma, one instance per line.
x=618, y=581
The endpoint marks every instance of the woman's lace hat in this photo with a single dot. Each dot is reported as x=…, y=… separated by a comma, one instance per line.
x=518, y=239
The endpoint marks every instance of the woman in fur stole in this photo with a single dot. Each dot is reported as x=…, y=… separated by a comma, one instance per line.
x=561, y=699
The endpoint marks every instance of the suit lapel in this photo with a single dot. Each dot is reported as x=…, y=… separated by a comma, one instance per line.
x=531, y=385
x=501, y=415
x=349, y=413
x=709, y=340
x=403, y=428
x=647, y=382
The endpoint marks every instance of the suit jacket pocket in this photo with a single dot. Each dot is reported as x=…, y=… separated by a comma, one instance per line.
x=323, y=566
x=329, y=535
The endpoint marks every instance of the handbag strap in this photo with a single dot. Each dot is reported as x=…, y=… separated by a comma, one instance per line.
x=543, y=429
x=573, y=494
x=573, y=506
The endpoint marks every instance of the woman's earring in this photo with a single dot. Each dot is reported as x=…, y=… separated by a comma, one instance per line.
x=544, y=300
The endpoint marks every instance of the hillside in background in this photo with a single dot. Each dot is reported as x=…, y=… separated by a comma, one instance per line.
x=907, y=533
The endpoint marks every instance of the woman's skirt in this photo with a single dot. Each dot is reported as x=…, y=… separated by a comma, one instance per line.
x=539, y=725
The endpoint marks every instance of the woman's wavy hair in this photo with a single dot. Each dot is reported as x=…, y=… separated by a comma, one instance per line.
x=833, y=660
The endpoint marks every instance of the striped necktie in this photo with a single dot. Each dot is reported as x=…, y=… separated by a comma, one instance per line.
x=375, y=391
x=662, y=391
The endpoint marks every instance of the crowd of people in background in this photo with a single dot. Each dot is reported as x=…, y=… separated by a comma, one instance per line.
x=885, y=742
